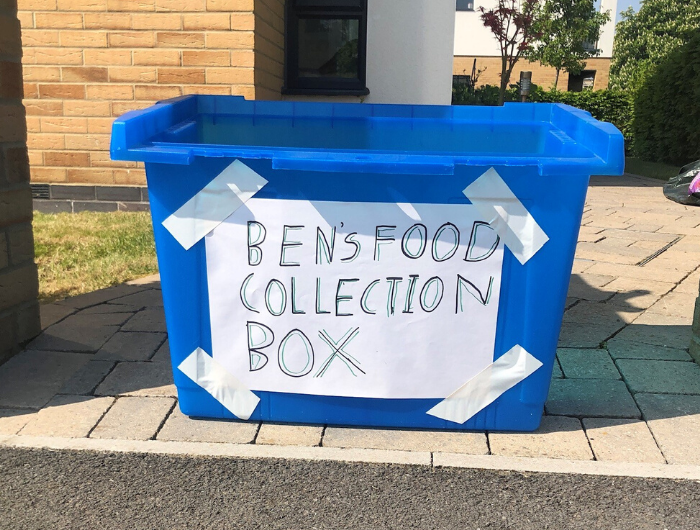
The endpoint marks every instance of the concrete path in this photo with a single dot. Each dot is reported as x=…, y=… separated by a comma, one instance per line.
x=625, y=398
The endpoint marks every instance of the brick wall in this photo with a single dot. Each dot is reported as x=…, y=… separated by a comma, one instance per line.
x=541, y=75
x=89, y=61
x=19, y=311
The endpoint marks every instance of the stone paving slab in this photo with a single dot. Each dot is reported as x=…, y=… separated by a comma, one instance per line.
x=180, y=428
x=99, y=297
x=12, y=420
x=134, y=418
x=670, y=336
x=450, y=442
x=147, y=298
x=79, y=333
x=109, y=308
x=592, y=398
x=139, y=379
x=130, y=346
x=86, y=379
x=587, y=364
x=163, y=354
x=618, y=440
x=557, y=437
x=52, y=313
x=674, y=420
x=68, y=416
x=660, y=377
x=146, y=320
x=280, y=434
x=625, y=349
x=31, y=378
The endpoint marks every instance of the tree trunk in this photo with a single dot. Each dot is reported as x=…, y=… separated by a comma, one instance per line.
x=504, y=81
x=556, y=79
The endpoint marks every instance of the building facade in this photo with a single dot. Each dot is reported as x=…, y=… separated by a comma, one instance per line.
x=473, y=41
x=87, y=62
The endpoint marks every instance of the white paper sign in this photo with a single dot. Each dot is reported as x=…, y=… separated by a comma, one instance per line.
x=354, y=299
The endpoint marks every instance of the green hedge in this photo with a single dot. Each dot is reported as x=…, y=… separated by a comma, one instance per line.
x=666, y=123
x=614, y=106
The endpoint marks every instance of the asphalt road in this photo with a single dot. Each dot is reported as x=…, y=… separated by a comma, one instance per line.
x=74, y=490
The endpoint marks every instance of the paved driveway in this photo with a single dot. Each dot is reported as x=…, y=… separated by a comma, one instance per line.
x=625, y=389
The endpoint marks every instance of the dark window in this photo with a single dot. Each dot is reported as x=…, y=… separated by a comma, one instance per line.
x=465, y=5
x=326, y=47
x=584, y=81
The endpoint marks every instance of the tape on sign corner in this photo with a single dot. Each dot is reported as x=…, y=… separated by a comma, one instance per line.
x=217, y=381
x=210, y=207
x=506, y=215
x=484, y=388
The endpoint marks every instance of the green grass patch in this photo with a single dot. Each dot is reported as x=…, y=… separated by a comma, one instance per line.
x=82, y=252
x=654, y=170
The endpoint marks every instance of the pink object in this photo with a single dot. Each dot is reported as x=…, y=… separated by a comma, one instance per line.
x=694, y=188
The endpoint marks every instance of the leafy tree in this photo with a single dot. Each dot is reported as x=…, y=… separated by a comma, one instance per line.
x=567, y=29
x=512, y=22
x=645, y=38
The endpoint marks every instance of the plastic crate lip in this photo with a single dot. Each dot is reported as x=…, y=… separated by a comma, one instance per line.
x=586, y=145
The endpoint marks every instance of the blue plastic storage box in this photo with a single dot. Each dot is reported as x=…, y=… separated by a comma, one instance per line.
x=362, y=264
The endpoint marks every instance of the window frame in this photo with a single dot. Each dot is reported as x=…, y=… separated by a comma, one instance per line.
x=323, y=86
x=466, y=9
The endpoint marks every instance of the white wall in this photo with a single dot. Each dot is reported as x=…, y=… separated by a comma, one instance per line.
x=410, y=51
x=472, y=38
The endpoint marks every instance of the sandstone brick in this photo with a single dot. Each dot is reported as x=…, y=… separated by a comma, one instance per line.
x=231, y=76
x=20, y=243
x=156, y=21
x=26, y=19
x=64, y=125
x=40, y=37
x=47, y=174
x=180, y=75
x=102, y=159
x=157, y=57
x=242, y=58
x=4, y=253
x=181, y=6
x=28, y=321
x=61, y=91
x=100, y=125
x=151, y=92
x=107, y=20
x=87, y=142
x=20, y=284
x=177, y=39
x=40, y=73
x=57, y=21
x=33, y=124
x=110, y=92
x=120, y=107
x=10, y=42
x=242, y=21
x=84, y=39
x=13, y=124
x=137, y=74
x=90, y=175
x=16, y=167
x=46, y=141
x=11, y=80
x=230, y=5
x=86, y=108
x=30, y=90
x=66, y=158
x=131, y=39
x=206, y=21
x=248, y=92
x=43, y=108
x=36, y=158
x=230, y=39
x=130, y=5
x=52, y=56
x=206, y=58
x=207, y=89
x=108, y=57
x=84, y=74
x=36, y=5
x=81, y=5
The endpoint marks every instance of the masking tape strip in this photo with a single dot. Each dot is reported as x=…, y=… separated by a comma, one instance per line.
x=214, y=203
x=485, y=387
x=226, y=389
x=506, y=215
